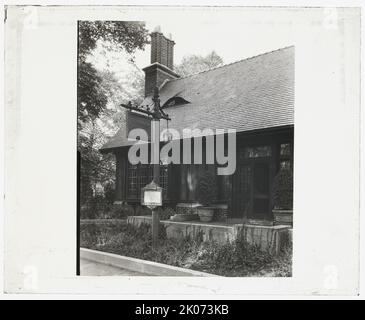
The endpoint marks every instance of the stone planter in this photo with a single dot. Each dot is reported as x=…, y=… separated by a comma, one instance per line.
x=181, y=217
x=283, y=217
x=206, y=214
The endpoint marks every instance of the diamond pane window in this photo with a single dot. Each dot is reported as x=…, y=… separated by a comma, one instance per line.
x=285, y=164
x=132, y=181
x=256, y=152
x=285, y=149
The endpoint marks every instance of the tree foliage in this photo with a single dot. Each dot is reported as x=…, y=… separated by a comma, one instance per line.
x=100, y=93
x=193, y=64
x=114, y=35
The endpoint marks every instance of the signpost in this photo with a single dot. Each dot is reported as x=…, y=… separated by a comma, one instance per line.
x=152, y=198
x=152, y=193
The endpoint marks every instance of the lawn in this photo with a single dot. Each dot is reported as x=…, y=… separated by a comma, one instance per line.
x=237, y=259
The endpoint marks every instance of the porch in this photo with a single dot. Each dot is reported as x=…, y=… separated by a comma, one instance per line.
x=267, y=237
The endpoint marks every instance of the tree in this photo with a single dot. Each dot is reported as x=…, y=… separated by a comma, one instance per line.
x=116, y=35
x=100, y=92
x=113, y=35
x=193, y=64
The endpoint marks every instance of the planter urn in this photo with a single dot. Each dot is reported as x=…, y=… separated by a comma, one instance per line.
x=206, y=214
x=283, y=217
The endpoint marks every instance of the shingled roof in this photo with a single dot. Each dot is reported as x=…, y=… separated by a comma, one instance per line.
x=251, y=94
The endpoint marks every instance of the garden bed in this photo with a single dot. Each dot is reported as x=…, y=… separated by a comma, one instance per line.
x=228, y=259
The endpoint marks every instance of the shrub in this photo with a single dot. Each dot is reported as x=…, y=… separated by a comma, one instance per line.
x=166, y=213
x=117, y=211
x=94, y=208
x=207, y=188
x=283, y=190
x=109, y=192
x=128, y=210
x=228, y=259
x=142, y=211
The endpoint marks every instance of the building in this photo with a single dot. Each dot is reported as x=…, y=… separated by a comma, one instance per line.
x=254, y=96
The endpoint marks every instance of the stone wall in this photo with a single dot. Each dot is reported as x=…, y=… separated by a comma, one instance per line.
x=271, y=238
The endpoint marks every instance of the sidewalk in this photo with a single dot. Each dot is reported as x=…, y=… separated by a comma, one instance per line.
x=90, y=268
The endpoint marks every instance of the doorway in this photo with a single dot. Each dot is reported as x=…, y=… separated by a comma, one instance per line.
x=260, y=191
x=251, y=185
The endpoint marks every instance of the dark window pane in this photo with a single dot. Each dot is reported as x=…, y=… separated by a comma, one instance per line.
x=285, y=149
x=164, y=179
x=132, y=181
x=256, y=152
x=285, y=164
x=138, y=176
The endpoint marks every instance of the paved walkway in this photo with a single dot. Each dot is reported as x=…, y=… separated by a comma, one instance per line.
x=90, y=268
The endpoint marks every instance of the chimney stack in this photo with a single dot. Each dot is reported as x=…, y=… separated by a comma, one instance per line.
x=162, y=61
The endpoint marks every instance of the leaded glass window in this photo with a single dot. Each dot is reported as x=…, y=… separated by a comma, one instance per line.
x=285, y=149
x=132, y=178
x=255, y=152
x=286, y=156
x=138, y=176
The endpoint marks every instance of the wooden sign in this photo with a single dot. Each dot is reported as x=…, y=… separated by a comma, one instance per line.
x=151, y=196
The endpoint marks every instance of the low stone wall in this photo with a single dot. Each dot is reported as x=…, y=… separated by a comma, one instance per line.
x=266, y=237
x=270, y=238
x=206, y=232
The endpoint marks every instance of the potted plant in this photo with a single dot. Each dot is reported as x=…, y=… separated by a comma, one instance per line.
x=283, y=197
x=207, y=193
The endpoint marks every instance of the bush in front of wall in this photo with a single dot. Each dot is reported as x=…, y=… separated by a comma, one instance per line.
x=94, y=208
x=166, y=213
x=237, y=258
x=109, y=193
x=120, y=210
x=207, y=188
x=142, y=211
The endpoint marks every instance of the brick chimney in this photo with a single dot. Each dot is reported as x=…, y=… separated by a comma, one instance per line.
x=162, y=61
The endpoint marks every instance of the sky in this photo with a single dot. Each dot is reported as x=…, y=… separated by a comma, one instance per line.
x=234, y=35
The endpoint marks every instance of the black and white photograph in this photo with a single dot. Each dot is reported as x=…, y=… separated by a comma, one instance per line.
x=219, y=198
x=182, y=151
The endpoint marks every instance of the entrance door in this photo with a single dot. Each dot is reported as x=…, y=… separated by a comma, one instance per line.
x=260, y=190
x=251, y=190
x=241, y=195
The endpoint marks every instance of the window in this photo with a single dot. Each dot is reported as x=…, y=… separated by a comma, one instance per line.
x=285, y=156
x=174, y=101
x=138, y=176
x=164, y=179
x=285, y=149
x=285, y=164
x=255, y=152
x=132, y=181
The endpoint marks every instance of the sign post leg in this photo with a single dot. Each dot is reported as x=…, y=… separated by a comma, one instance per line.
x=155, y=139
x=155, y=225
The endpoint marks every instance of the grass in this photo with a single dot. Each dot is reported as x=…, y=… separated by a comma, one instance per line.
x=237, y=259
